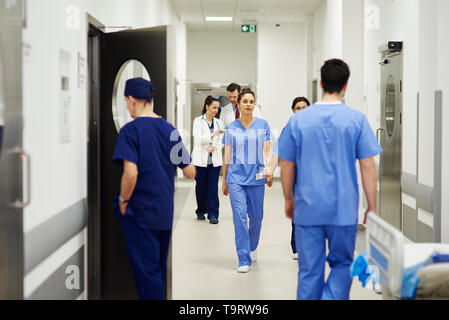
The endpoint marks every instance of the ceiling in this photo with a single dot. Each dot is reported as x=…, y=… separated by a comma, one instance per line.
x=193, y=12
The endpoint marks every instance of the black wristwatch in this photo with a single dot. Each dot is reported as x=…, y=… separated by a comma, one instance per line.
x=121, y=200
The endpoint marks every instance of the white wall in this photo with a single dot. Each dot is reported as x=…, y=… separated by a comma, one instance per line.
x=421, y=24
x=59, y=170
x=282, y=70
x=442, y=51
x=398, y=20
x=327, y=36
x=222, y=57
x=386, y=21
x=353, y=51
x=338, y=33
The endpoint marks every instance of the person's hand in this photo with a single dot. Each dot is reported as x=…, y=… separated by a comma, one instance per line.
x=266, y=173
x=123, y=207
x=225, y=188
x=208, y=148
x=366, y=214
x=289, y=208
x=270, y=181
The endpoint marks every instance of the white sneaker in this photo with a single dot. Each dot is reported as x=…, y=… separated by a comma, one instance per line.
x=295, y=256
x=243, y=269
x=253, y=255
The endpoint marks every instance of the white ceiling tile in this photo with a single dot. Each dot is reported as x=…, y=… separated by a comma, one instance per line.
x=254, y=4
x=186, y=5
x=191, y=11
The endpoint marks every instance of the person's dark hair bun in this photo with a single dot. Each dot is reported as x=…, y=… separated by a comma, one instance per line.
x=246, y=91
x=208, y=102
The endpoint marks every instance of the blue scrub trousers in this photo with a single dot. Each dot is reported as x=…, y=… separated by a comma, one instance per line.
x=246, y=201
x=311, y=245
x=147, y=252
x=206, y=191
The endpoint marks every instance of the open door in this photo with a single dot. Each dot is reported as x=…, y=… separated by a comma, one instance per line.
x=114, y=58
x=12, y=157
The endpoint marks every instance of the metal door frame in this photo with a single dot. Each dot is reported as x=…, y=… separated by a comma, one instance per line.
x=211, y=85
x=94, y=28
x=193, y=88
x=385, y=55
x=12, y=154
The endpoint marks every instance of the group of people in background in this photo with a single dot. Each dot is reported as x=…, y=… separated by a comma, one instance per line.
x=318, y=149
x=242, y=120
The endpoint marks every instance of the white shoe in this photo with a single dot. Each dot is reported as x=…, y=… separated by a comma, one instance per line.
x=243, y=269
x=295, y=256
x=253, y=255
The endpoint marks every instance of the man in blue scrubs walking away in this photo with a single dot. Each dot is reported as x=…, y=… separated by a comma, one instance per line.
x=324, y=141
x=148, y=149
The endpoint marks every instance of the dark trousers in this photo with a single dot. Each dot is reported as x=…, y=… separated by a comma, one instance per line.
x=147, y=252
x=293, y=241
x=206, y=190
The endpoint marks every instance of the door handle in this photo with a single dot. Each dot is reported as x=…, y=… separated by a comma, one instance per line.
x=23, y=155
x=377, y=134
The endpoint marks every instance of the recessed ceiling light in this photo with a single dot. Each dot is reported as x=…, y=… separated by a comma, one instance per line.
x=252, y=10
x=218, y=18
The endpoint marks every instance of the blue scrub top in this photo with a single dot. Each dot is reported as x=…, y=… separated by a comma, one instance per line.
x=211, y=129
x=156, y=147
x=325, y=141
x=247, y=151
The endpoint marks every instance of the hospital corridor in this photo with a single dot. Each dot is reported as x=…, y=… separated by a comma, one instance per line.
x=204, y=260
x=199, y=154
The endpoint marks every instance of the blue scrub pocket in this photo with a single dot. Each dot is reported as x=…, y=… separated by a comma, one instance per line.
x=116, y=208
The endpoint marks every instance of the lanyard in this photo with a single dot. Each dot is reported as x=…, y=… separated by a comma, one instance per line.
x=213, y=120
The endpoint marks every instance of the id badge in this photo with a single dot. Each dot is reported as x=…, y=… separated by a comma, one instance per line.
x=259, y=176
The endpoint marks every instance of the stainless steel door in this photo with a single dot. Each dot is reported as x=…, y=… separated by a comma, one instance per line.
x=390, y=134
x=199, y=94
x=11, y=154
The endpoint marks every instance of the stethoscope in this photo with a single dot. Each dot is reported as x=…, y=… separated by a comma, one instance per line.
x=213, y=120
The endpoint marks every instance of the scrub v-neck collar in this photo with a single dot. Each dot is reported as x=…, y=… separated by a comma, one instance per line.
x=249, y=125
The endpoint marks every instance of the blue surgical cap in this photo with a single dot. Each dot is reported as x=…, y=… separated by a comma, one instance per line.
x=139, y=88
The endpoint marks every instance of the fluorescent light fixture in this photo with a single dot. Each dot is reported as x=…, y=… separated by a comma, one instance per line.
x=218, y=18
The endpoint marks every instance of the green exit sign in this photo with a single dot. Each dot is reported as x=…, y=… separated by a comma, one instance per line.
x=248, y=28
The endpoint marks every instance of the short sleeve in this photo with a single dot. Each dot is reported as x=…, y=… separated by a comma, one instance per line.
x=126, y=146
x=367, y=144
x=268, y=134
x=285, y=147
x=179, y=154
x=227, y=137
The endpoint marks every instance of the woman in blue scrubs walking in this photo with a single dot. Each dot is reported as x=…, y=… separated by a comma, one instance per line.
x=148, y=150
x=207, y=158
x=298, y=104
x=245, y=171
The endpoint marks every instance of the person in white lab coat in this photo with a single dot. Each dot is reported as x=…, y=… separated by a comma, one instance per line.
x=207, y=157
x=231, y=112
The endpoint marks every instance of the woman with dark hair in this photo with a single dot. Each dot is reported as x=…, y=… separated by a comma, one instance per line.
x=299, y=104
x=207, y=157
x=247, y=143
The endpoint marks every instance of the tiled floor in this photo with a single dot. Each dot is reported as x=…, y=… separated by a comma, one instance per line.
x=205, y=260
